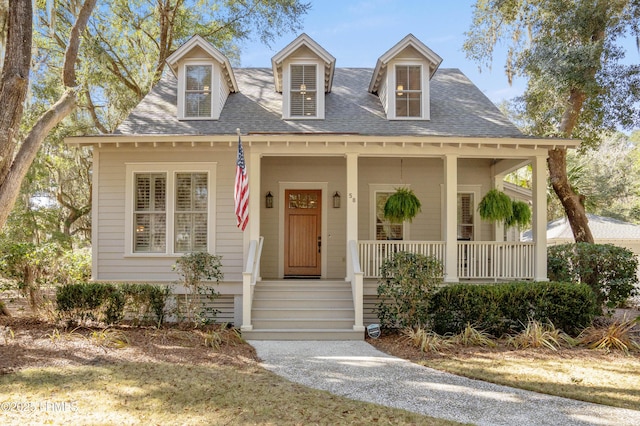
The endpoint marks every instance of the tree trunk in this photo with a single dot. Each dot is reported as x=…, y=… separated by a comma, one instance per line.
x=557, y=162
x=4, y=311
x=14, y=80
x=13, y=170
x=572, y=202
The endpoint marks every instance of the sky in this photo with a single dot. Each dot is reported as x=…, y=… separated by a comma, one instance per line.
x=358, y=32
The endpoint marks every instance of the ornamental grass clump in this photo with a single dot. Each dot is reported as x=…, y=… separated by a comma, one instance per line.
x=539, y=335
x=426, y=341
x=617, y=336
x=472, y=336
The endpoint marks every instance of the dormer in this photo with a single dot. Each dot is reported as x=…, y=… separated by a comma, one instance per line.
x=205, y=79
x=303, y=73
x=401, y=79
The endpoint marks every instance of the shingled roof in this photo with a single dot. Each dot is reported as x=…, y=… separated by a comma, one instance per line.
x=458, y=109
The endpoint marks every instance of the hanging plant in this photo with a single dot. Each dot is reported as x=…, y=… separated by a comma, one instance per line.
x=403, y=205
x=521, y=216
x=496, y=206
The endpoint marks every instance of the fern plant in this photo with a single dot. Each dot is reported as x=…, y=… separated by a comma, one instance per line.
x=495, y=206
x=401, y=206
x=521, y=215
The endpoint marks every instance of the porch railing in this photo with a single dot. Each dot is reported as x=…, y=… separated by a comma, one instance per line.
x=373, y=253
x=475, y=259
x=495, y=260
x=249, y=278
x=357, y=286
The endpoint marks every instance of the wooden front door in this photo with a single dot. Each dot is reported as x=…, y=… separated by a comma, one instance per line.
x=302, y=239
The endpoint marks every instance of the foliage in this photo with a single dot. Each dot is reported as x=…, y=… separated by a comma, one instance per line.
x=495, y=206
x=473, y=336
x=109, y=338
x=407, y=281
x=505, y=308
x=521, y=216
x=109, y=303
x=609, y=270
x=193, y=269
x=539, y=335
x=402, y=205
x=617, y=335
x=29, y=265
x=426, y=341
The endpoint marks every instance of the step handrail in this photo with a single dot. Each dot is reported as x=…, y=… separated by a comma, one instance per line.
x=249, y=279
x=357, y=286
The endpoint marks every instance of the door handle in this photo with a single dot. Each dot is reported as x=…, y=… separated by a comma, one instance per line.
x=319, y=244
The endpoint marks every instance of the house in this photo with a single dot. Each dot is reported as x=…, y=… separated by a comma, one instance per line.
x=324, y=147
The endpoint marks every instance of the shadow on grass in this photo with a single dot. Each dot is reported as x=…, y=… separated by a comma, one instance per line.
x=165, y=393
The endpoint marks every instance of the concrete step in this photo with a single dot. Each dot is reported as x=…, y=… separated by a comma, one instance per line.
x=297, y=334
x=298, y=313
x=345, y=323
x=301, y=302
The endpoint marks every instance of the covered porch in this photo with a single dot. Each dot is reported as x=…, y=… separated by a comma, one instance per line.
x=348, y=240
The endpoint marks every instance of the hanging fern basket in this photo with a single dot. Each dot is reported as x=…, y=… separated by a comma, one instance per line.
x=401, y=206
x=495, y=206
x=521, y=216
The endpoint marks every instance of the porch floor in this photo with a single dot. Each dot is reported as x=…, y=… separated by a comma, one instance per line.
x=299, y=309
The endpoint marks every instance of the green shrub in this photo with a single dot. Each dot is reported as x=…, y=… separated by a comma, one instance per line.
x=108, y=303
x=193, y=269
x=609, y=270
x=407, y=281
x=91, y=301
x=501, y=309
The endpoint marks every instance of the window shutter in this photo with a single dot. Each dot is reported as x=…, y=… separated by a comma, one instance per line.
x=150, y=215
x=191, y=212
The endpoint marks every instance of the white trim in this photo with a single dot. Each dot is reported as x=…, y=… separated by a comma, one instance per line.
x=286, y=90
x=476, y=190
x=95, y=215
x=384, y=187
x=170, y=169
x=424, y=90
x=215, y=93
x=323, y=186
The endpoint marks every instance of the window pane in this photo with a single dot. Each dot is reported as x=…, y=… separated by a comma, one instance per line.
x=465, y=216
x=408, y=91
x=199, y=77
x=191, y=212
x=198, y=104
x=303, y=91
x=386, y=230
x=149, y=224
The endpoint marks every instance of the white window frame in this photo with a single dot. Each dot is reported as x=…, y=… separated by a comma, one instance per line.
x=464, y=189
x=182, y=87
x=374, y=188
x=424, y=83
x=286, y=88
x=171, y=169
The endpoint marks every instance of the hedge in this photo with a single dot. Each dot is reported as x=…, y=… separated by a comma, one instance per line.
x=506, y=308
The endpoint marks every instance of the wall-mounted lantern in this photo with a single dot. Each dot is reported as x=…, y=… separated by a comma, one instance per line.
x=269, y=200
x=336, y=200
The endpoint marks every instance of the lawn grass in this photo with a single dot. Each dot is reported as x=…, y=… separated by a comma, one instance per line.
x=611, y=380
x=166, y=393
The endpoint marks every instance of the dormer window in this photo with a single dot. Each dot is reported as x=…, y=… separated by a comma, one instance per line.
x=198, y=91
x=303, y=73
x=205, y=79
x=304, y=92
x=402, y=77
x=408, y=91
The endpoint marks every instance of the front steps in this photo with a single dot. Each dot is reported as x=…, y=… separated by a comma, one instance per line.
x=300, y=309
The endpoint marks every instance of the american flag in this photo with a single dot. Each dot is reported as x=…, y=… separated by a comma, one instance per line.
x=241, y=190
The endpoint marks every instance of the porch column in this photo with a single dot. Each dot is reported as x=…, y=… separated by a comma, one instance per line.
x=255, y=199
x=498, y=227
x=540, y=217
x=450, y=218
x=352, y=207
